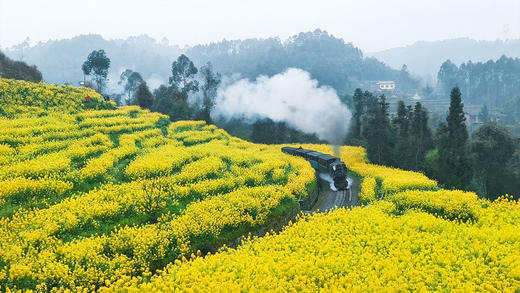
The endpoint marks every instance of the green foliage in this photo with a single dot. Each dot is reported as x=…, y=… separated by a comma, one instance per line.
x=420, y=137
x=455, y=170
x=492, y=147
x=143, y=96
x=513, y=171
x=432, y=163
x=378, y=132
x=183, y=76
x=328, y=59
x=97, y=64
x=359, y=103
x=163, y=100
x=211, y=81
x=163, y=124
x=269, y=132
x=490, y=82
x=131, y=81
x=180, y=110
x=403, y=144
x=172, y=100
x=95, y=104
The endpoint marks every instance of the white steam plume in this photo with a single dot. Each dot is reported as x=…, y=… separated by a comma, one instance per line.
x=291, y=96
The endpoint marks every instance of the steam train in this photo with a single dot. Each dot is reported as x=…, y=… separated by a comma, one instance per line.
x=323, y=163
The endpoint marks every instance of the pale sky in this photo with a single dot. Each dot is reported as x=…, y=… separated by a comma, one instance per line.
x=369, y=24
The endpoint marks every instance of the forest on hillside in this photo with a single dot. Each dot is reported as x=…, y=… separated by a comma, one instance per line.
x=329, y=59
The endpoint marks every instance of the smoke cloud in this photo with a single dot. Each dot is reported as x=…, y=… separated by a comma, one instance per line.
x=291, y=96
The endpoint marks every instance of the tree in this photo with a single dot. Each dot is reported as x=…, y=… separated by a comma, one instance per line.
x=484, y=114
x=378, y=133
x=329, y=60
x=143, y=96
x=420, y=137
x=453, y=158
x=131, y=80
x=182, y=83
x=163, y=100
x=513, y=171
x=183, y=76
x=358, y=112
x=97, y=64
x=26, y=44
x=492, y=147
x=490, y=82
x=431, y=163
x=211, y=82
x=263, y=130
x=448, y=75
x=405, y=80
x=154, y=198
x=402, y=124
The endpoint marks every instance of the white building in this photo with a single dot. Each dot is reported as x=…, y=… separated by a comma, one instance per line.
x=386, y=85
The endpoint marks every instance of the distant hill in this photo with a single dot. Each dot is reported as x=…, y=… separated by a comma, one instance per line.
x=18, y=70
x=60, y=60
x=330, y=60
x=425, y=58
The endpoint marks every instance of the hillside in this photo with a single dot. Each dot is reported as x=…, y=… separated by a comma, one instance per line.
x=80, y=190
x=60, y=60
x=425, y=58
x=95, y=198
x=18, y=70
x=330, y=60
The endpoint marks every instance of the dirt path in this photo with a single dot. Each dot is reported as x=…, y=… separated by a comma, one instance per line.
x=329, y=198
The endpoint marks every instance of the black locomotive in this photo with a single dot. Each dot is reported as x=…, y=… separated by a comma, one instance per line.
x=323, y=163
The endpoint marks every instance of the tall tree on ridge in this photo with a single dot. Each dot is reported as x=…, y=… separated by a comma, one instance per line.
x=420, y=137
x=402, y=125
x=454, y=165
x=97, y=63
x=131, y=81
x=211, y=81
x=358, y=111
x=183, y=76
x=378, y=133
x=143, y=96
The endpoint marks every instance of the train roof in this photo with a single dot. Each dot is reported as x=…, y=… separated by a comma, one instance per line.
x=304, y=151
x=288, y=148
x=327, y=157
x=309, y=153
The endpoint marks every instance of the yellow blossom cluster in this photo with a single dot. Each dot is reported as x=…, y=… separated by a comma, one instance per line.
x=127, y=147
x=360, y=250
x=30, y=187
x=18, y=96
x=181, y=126
x=393, y=179
x=367, y=193
x=451, y=204
x=125, y=198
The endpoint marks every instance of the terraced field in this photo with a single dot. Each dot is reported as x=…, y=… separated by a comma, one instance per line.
x=99, y=198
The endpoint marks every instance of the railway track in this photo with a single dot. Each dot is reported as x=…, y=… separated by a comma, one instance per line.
x=328, y=198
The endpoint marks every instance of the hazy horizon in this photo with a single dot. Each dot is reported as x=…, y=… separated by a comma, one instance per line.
x=370, y=25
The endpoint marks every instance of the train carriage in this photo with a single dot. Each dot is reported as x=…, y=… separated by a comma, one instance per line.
x=323, y=163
